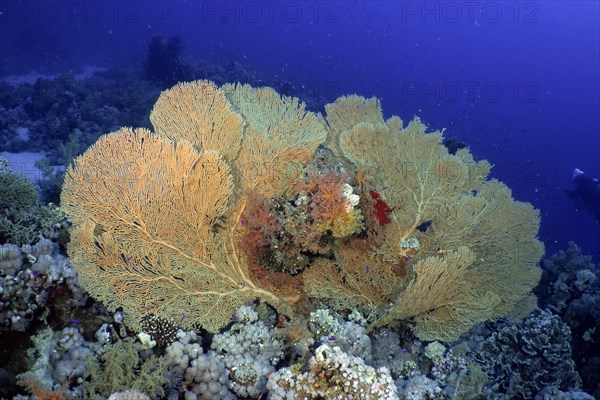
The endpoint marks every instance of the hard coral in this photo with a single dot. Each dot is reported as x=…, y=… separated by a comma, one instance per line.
x=570, y=287
x=23, y=217
x=332, y=374
x=524, y=358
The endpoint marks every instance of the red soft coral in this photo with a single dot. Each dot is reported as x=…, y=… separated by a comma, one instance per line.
x=382, y=210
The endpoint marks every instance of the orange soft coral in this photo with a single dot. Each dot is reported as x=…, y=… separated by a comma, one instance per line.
x=328, y=202
x=34, y=386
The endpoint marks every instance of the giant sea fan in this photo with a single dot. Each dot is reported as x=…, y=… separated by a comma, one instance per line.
x=156, y=215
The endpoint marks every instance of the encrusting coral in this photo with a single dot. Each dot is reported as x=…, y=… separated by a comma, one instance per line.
x=412, y=232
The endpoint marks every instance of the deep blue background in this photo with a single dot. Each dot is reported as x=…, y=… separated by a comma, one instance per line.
x=518, y=81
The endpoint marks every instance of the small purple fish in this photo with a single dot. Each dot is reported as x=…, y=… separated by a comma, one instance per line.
x=182, y=317
x=242, y=222
x=127, y=262
x=233, y=317
x=250, y=303
x=409, y=256
x=74, y=321
x=331, y=338
x=243, y=285
x=385, y=188
x=404, y=351
x=367, y=269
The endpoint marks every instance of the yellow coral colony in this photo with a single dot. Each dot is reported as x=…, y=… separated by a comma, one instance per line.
x=156, y=216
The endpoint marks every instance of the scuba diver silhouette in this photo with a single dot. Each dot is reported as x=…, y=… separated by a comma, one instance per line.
x=586, y=192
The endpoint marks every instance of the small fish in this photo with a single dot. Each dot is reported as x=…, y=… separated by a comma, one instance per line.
x=367, y=269
x=182, y=317
x=409, y=256
x=233, y=317
x=242, y=222
x=127, y=262
x=74, y=321
x=331, y=338
x=250, y=303
x=268, y=374
x=404, y=351
x=243, y=285
x=385, y=188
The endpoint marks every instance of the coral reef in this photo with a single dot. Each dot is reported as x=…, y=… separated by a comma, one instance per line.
x=58, y=359
x=245, y=361
x=249, y=352
x=441, y=202
x=63, y=362
x=358, y=247
x=36, y=282
x=332, y=374
x=552, y=393
x=69, y=113
x=350, y=337
x=69, y=355
x=522, y=359
x=195, y=373
x=23, y=218
x=570, y=287
x=161, y=331
x=129, y=395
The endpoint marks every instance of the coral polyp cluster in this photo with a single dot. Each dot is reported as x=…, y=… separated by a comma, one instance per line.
x=319, y=207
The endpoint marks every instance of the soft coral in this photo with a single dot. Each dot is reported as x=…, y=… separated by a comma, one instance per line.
x=260, y=225
x=34, y=386
x=382, y=210
x=328, y=202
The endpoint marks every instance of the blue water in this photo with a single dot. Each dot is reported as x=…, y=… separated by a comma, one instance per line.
x=517, y=81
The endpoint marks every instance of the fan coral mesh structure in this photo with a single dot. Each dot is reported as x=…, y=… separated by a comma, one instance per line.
x=158, y=227
x=469, y=250
x=154, y=214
